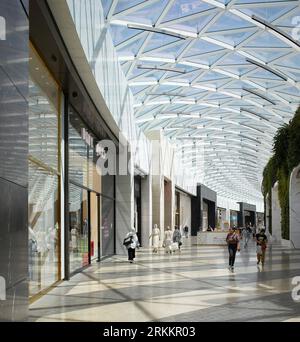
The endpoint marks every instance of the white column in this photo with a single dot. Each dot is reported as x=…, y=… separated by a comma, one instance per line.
x=124, y=207
x=295, y=207
x=146, y=210
x=267, y=223
x=185, y=211
x=276, y=215
x=157, y=181
x=158, y=203
x=173, y=207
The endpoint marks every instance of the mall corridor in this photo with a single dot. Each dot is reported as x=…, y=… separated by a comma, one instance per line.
x=192, y=286
x=151, y=119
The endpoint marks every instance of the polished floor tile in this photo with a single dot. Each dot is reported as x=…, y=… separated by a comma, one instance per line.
x=194, y=285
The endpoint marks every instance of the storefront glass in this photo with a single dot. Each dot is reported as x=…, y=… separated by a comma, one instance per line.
x=94, y=225
x=78, y=219
x=205, y=216
x=87, y=184
x=233, y=218
x=107, y=226
x=44, y=178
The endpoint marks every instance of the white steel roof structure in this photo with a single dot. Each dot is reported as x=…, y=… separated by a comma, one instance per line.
x=220, y=74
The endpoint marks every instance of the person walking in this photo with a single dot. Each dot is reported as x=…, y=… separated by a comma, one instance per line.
x=155, y=235
x=186, y=231
x=233, y=242
x=177, y=237
x=168, y=236
x=247, y=235
x=131, y=242
x=261, y=246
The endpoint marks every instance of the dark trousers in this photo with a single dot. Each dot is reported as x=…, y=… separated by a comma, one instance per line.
x=131, y=253
x=232, y=252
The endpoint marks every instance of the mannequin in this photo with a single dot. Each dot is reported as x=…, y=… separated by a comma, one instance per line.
x=74, y=238
x=155, y=235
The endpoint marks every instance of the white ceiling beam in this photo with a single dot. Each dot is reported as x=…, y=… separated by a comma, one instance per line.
x=111, y=10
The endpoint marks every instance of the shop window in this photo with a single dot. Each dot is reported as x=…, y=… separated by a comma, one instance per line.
x=79, y=225
x=44, y=177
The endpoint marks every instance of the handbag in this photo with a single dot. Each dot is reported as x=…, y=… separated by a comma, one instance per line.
x=174, y=246
x=258, y=250
x=127, y=241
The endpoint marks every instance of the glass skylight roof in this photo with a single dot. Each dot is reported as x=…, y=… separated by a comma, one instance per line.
x=241, y=79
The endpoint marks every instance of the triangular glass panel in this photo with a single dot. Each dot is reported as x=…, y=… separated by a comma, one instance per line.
x=106, y=4
x=207, y=59
x=213, y=83
x=131, y=49
x=125, y=67
x=231, y=38
x=212, y=76
x=192, y=25
x=287, y=96
x=138, y=89
x=229, y=21
x=185, y=8
x=202, y=47
x=295, y=75
x=160, y=40
x=267, y=55
x=266, y=39
x=125, y=4
x=216, y=96
x=268, y=13
x=290, y=61
x=264, y=83
x=151, y=74
x=148, y=14
x=121, y=33
x=261, y=73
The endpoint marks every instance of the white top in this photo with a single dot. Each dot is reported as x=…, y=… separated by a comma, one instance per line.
x=135, y=241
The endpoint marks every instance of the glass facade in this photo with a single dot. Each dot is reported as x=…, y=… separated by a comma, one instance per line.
x=91, y=195
x=44, y=177
x=233, y=218
x=91, y=198
x=107, y=226
x=79, y=225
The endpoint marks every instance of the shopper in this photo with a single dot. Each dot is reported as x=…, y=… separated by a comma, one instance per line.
x=233, y=242
x=186, y=231
x=247, y=235
x=131, y=242
x=155, y=235
x=261, y=246
x=168, y=237
x=177, y=237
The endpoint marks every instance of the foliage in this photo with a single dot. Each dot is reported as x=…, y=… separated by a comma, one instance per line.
x=293, y=155
x=281, y=146
x=283, y=195
x=286, y=156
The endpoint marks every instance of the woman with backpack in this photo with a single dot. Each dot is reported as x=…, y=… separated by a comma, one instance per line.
x=233, y=242
x=131, y=242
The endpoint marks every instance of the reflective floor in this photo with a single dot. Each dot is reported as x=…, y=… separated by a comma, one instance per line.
x=191, y=286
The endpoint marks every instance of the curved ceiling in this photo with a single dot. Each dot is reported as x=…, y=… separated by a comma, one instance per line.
x=220, y=76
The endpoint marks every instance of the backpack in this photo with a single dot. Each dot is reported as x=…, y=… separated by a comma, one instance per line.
x=128, y=241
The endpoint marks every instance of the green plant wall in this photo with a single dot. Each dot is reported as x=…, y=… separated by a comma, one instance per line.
x=286, y=156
